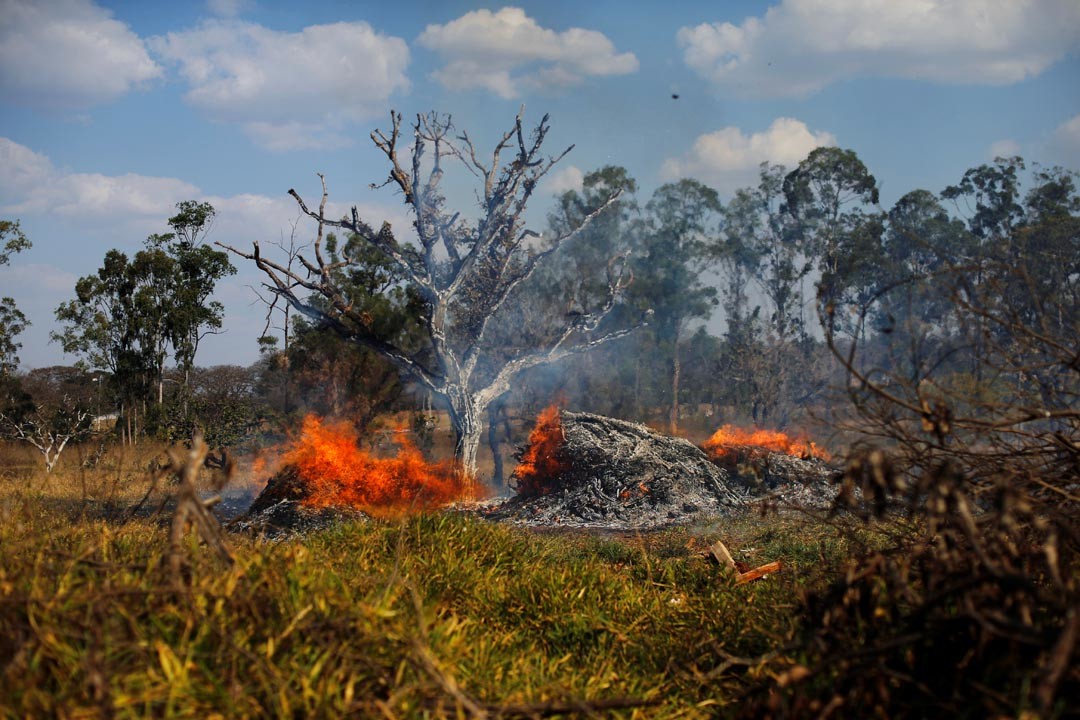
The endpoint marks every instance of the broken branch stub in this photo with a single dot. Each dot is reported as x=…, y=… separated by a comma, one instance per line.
x=190, y=508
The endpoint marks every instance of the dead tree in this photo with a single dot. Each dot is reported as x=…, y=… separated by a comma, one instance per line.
x=49, y=432
x=465, y=272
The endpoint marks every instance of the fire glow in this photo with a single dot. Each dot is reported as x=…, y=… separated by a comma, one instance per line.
x=540, y=465
x=733, y=441
x=340, y=474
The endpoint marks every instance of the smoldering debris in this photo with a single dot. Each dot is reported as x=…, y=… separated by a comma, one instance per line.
x=280, y=509
x=603, y=472
x=584, y=470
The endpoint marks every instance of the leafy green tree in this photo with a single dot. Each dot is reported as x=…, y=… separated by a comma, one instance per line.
x=759, y=238
x=104, y=325
x=127, y=316
x=340, y=379
x=989, y=197
x=194, y=273
x=915, y=308
x=674, y=253
x=12, y=240
x=831, y=197
x=12, y=321
x=577, y=270
x=575, y=283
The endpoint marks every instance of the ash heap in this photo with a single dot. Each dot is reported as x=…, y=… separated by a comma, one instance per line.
x=587, y=470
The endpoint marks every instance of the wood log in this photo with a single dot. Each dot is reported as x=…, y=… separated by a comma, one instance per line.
x=758, y=573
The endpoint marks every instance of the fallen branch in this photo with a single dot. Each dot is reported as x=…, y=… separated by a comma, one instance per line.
x=743, y=572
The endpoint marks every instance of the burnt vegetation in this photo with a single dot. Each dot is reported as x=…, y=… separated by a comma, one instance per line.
x=928, y=535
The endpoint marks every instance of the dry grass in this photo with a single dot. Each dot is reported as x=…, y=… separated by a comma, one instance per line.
x=435, y=615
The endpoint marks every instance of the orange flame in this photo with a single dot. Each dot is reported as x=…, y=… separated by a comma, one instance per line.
x=730, y=440
x=540, y=466
x=338, y=473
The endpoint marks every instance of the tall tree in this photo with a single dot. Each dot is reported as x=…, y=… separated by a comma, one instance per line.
x=675, y=253
x=464, y=272
x=195, y=270
x=341, y=379
x=574, y=282
x=12, y=321
x=831, y=196
x=759, y=235
x=104, y=324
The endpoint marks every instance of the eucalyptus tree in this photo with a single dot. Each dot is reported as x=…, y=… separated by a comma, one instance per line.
x=676, y=239
x=465, y=272
x=12, y=320
x=128, y=315
x=832, y=199
x=759, y=237
x=193, y=272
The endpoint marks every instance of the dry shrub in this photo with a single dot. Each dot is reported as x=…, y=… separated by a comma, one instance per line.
x=972, y=460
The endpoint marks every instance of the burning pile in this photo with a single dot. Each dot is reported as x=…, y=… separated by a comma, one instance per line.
x=581, y=469
x=541, y=468
x=325, y=472
x=738, y=443
x=793, y=470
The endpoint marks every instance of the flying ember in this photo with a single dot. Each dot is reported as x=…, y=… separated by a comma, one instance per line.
x=340, y=474
x=730, y=440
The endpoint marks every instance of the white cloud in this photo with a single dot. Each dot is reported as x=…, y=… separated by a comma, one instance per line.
x=1065, y=144
x=289, y=90
x=728, y=158
x=68, y=54
x=1004, y=148
x=31, y=185
x=506, y=50
x=21, y=168
x=564, y=180
x=284, y=137
x=800, y=46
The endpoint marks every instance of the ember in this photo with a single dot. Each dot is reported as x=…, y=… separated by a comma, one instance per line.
x=732, y=441
x=540, y=465
x=337, y=473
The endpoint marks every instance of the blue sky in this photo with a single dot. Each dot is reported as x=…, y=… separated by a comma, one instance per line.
x=112, y=112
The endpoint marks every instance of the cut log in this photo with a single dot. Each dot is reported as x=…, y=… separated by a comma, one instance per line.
x=758, y=572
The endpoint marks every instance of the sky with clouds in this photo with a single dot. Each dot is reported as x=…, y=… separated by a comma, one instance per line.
x=112, y=112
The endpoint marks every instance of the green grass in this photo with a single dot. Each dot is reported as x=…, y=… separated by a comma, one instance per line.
x=427, y=616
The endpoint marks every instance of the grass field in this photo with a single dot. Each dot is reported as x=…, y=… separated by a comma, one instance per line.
x=424, y=616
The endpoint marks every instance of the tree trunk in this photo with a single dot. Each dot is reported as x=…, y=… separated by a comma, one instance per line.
x=676, y=369
x=467, y=427
x=495, y=444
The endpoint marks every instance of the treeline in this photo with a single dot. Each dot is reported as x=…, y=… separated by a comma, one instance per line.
x=800, y=267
